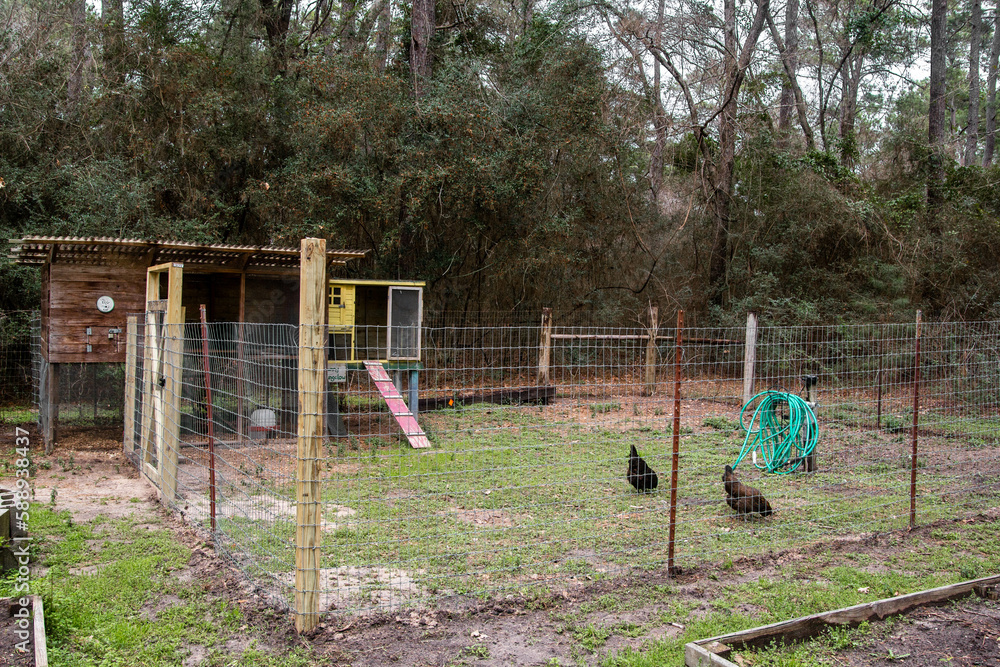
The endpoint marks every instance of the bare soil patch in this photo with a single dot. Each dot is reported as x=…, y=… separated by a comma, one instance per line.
x=12, y=652
x=965, y=633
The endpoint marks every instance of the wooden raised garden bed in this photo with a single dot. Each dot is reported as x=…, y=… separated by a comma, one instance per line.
x=715, y=651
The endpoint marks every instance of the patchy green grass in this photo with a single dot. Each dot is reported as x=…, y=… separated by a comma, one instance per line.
x=112, y=597
x=507, y=496
x=18, y=415
x=721, y=423
x=824, y=582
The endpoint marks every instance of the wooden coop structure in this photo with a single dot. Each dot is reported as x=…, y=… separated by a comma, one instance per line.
x=91, y=287
x=376, y=320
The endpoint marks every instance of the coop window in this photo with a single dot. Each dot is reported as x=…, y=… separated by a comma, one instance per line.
x=335, y=298
x=404, y=322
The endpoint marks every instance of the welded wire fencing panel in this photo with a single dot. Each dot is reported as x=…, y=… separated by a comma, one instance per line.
x=500, y=459
x=17, y=333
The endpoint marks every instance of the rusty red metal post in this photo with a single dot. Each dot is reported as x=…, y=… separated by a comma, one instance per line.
x=675, y=460
x=208, y=403
x=916, y=415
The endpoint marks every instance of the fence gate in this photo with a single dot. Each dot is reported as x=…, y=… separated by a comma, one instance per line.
x=162, y=366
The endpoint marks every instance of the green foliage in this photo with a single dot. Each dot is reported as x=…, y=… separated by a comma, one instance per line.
x=520, y=177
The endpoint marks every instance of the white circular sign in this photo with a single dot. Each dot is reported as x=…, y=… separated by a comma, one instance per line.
x=105, y=304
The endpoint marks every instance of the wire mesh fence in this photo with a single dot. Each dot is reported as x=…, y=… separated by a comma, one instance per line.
x=524, y=484
x=18, y=334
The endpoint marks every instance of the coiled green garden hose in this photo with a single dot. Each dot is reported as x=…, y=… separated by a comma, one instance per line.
x=782, y=444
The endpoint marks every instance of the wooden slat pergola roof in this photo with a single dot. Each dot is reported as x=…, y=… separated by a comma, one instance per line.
x=103, y=251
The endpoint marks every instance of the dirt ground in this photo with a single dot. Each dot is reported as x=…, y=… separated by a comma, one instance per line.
x=11, y=654
x=963, y=634
x=88, y=475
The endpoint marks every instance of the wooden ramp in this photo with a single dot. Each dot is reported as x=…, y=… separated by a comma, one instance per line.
x=405, y=419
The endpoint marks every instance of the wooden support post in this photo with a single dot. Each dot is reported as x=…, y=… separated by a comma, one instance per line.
x=53, y=423
x=209, y=420
x=651, y=350
x=749, y=357
x=43, y=400
x=545, y=347
x=150, y=362
x=131, y=352
x=173, y=367
x=241, y=425
x=150, y=368
x=675, y=459
x=916, y=415
x=312, y=381
x=414, y=391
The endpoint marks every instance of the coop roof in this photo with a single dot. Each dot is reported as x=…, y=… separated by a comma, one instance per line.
x=95, y=251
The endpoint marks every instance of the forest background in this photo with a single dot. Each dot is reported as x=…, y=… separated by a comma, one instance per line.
x=813, y=160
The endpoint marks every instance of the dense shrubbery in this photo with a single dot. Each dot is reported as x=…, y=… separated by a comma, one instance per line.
x=519, y=178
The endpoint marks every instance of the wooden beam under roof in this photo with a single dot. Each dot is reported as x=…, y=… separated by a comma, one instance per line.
x=36, y=250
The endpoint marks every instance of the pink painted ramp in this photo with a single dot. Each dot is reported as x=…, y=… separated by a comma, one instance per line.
x=405, y=419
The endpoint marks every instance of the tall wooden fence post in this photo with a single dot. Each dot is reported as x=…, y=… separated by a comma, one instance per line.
x=651, y=350
x=312, y=364
x=545, y=348
x=675, y=459
x=131, y=351
x=749, y=357
x=916, y=421
x=173, y=365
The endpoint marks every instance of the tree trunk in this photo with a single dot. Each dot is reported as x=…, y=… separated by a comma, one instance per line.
x=78, y=16
x=972, y=128
x=659, y=118
x=793, y=83
x=422, y=17
x=113, y=33
x=991, y=90
x=277, y=18
x=113, y=66
x=851, y=82
x=936, y=113
x=382, y=36
x=791, y=55
x=734, y=72
x=349, y=26
x=723, y=186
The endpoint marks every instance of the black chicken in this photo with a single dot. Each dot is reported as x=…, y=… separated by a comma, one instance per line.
x=743, y=498
x=639, y=474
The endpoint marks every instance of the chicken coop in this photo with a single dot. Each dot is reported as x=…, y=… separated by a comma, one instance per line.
x=376, y=320
x=94, y=289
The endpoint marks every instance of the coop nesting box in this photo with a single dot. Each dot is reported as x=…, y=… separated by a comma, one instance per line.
x=375, y=320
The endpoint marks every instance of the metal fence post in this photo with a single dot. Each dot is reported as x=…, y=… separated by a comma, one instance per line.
x=675, y=459
x=916, y=415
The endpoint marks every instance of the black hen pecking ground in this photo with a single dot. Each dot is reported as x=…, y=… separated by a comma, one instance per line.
x=743, y=498
x=639, y=474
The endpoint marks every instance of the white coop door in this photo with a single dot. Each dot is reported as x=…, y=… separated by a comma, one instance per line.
x=405, y=318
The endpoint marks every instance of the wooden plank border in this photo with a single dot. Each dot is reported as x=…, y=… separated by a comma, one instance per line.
x=713, y=651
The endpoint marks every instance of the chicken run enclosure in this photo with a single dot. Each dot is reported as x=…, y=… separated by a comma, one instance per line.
x=522, y=487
